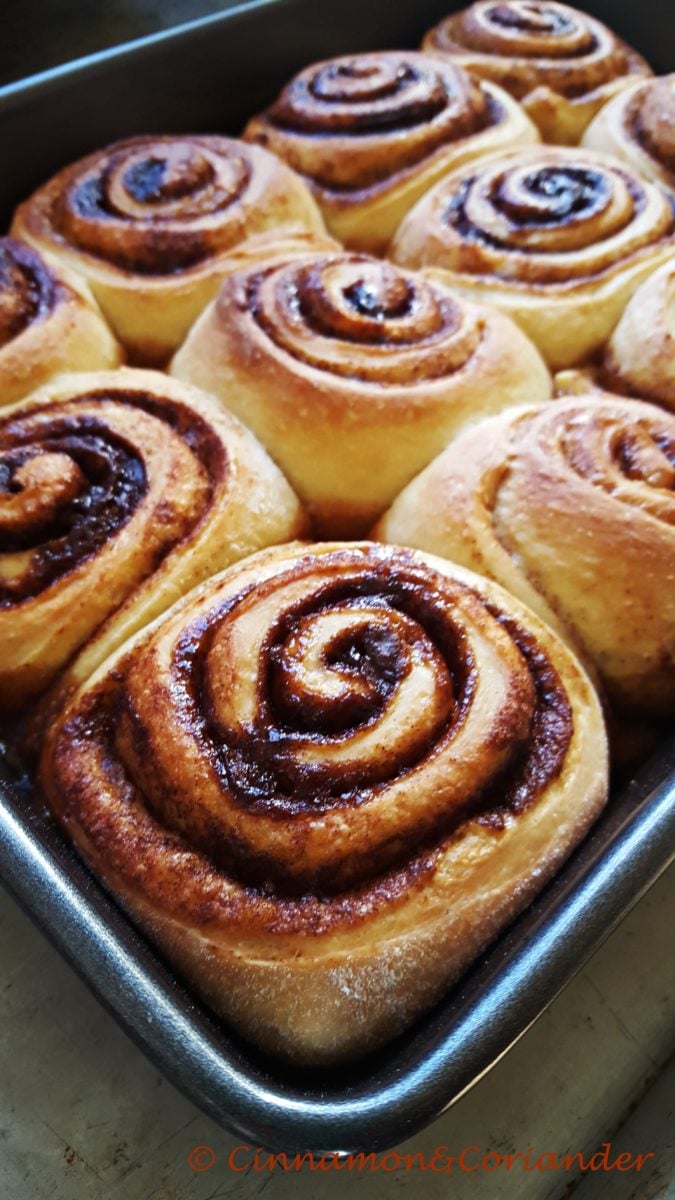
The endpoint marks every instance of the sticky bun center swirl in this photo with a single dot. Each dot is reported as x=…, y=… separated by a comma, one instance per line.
x=527, y=28
x=359, y=317
x=153, y=205
x=322, y=724
x=550, y=216
x=372, y=115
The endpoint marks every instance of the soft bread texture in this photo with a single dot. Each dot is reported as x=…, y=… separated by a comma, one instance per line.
x=354, y=374
x=638, y=127
x=558, y=238
x=560, y=63
x=572, y=508
x=639, y=359
x=148, y=222
x=370, y=133
x=49, y=323
x=125, y=489
x=325, y=780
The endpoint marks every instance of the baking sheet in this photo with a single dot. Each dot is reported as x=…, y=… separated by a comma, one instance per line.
x=210, y=76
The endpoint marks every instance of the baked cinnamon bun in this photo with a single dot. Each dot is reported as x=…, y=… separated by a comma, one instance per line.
x=572, y=508
x=558, y=238
x=638, y=127
x=119, y=491
x=560, y=63
x=354, y=374
x=639, y=359
x=325, y=780
x=49, y=323
x=148, y=221
x=372, y=132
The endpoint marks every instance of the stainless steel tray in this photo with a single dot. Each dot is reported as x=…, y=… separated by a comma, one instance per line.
x=211, y=75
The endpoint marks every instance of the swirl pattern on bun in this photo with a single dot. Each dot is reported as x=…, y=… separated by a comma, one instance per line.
x=49, y=323
x=325, y=780
x=148, y=221
x=558, y=238
x=638, y=127
x=119, y=491
x=354, y=374
x=372, y=132
x=572, y=508
x=560, y=63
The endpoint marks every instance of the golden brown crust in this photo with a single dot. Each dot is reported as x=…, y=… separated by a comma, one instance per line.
x=372, y=132
x=638, y=127
x=120, y=491
x=149, y=221
x=640, y=357
x=572, y=508
x=558, y=238
x=325, y=780
x=354, y=374
x=560, y=63
x=49, y=323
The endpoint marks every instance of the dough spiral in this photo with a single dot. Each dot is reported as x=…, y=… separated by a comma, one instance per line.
x=372, y=132
x=327, y=778
x=560, y=63
x=558, y=238
x=118, y=492
x=148, y=222
x=49, y=323
x=572, y=508
x=354, y=374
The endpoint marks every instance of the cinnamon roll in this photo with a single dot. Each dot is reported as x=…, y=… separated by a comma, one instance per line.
x=638, y=127
x=148, y=221
x=372, y=132
x=354, y=374
x=49, y=323
x=325, y=780
x=639, y=359
x=119, y=491
x=560, y=63
x=572, y=508
x=557, y=238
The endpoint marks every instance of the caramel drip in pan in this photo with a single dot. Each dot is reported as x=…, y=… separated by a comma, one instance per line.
x=330, y=728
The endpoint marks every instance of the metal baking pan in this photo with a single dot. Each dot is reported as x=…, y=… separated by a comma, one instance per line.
x=211, y=75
